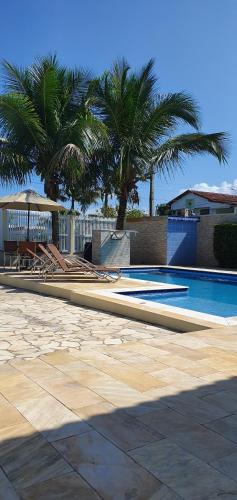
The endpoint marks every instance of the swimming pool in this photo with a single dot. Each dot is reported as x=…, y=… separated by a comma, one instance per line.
x=210, y=293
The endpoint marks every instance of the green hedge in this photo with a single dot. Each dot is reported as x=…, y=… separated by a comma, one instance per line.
x=225, y=245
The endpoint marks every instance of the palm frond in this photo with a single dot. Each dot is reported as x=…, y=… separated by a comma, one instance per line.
x=165, y=114
x=14, y=166
x=65, y=155
x=15, y=79
x=46, y=90
x=77, y=81
x=173, y=151
x=19, y=120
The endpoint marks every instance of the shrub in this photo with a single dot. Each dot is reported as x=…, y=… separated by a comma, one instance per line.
x=163, y=209
x=225, y=245
x=108, y=212
x=134, y=213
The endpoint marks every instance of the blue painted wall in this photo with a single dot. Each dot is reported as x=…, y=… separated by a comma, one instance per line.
x=182, y=241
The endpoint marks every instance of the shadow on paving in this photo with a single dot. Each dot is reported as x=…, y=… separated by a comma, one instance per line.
x=177, y=446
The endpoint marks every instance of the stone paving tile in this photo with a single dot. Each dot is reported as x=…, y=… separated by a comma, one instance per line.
x=70, y=393
x=116, y=392
x=187, y=475
x=97, y=406
x=123, y=430
x=167, y=421
x=9, y=414
x=109, y=470
x=204, y=443
x=196, y=408
x=185, y=352
x=138, y=361
x=223, y=399
x=51, y=417
x=19, y=388
x=7, y=492
x=32, y=325
x=67, y=487
x=227, y=465
x=27, y=458
x=227, y=427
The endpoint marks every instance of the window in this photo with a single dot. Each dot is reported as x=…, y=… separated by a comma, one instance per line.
x=204, y=211
x=189, y=203
x=225, y=210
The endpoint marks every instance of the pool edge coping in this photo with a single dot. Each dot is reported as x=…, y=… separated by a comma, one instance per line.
x=109, y=301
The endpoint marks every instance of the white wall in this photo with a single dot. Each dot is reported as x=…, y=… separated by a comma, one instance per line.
x=198, y=202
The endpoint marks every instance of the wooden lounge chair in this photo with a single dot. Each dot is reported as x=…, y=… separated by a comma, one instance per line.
x=74, y=260
x=81, y=266
x=39, y=263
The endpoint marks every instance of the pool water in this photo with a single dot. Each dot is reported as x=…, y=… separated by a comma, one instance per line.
x=206, y=293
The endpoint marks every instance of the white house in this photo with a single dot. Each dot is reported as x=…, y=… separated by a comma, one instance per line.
x=203, y=203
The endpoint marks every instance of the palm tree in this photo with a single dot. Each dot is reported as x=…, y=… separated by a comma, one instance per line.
x=47, y=126
x=141, y=123
x=152, y=193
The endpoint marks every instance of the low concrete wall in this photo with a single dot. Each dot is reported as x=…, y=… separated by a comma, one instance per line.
x=205, y=254
x=110, y=251
x=149, y=246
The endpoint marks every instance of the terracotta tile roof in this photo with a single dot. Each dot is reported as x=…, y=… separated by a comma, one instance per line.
x=214, y=197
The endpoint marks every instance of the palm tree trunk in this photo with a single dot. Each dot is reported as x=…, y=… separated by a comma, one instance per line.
x=72, y=204
x=123, y=200
x=152, y=195
x=106, y=198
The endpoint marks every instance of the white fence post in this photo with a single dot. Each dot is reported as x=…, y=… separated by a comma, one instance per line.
x=72, y=235
x=84, y=226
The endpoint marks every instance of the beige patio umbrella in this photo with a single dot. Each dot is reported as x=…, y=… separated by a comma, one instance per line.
x=31, y=201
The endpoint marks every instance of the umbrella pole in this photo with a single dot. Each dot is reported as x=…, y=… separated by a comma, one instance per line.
x=28, y=224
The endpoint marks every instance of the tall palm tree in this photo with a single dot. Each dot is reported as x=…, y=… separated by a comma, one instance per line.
x=152, y=193
x=46, y=125
x=141, y=123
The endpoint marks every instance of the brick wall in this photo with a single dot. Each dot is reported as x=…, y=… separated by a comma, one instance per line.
x=150, y=244
x=205, y=254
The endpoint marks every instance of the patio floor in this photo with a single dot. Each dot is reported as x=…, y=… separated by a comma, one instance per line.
x=33, y=324
x=150, y=414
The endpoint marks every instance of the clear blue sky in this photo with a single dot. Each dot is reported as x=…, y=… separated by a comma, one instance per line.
x=193, y=43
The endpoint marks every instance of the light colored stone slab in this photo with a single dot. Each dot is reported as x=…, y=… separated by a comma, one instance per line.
x=67, y=487
x=227, y=427
x=19, y=388
x=227, y=465
x=27, y=458
x=187, y=353
x=7, y=492
x=8, y=414
x=52, y=418
x=167, y=421
x=117, y=393
x=94, y=410
x=36, y=369
x=185, y=474
x=223, y=399
x=122, y=429
x=108, y=470
x=70, y=393
x=204, y=444
x=198, y=409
